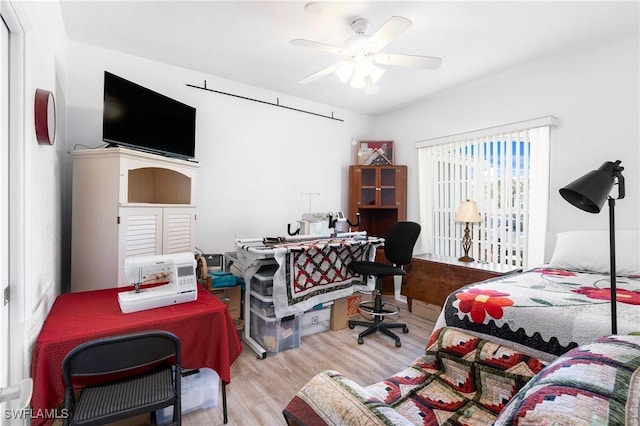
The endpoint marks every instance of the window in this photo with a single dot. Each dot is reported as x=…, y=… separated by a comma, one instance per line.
x=505, y=170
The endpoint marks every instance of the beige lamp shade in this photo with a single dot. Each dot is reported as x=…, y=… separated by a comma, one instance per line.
x=468, y=212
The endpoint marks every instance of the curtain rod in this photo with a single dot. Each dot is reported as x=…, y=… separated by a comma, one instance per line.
x=277, y=104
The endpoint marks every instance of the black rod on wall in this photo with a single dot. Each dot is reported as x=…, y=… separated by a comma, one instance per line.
x=277, y=104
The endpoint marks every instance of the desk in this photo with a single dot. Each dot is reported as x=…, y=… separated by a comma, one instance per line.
x=206, y=331
x=311, y=269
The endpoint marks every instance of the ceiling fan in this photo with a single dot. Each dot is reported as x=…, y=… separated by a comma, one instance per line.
x=361, y=53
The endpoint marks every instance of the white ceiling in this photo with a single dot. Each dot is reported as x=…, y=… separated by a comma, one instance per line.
x=248, y=41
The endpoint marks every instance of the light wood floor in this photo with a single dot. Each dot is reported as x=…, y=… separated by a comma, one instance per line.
x=260, y=389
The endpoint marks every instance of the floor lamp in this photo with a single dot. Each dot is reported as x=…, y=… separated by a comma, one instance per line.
x=589, y=193
x=467, y=213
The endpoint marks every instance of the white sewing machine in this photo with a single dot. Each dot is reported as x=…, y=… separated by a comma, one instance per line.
x=179, y=269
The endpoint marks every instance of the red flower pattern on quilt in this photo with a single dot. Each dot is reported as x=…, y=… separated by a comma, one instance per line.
x=557, y=272
x=479, y=303
x=622, y=295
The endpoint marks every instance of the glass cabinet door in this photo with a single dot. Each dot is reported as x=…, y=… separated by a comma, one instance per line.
x=388, y=187
x=368, y=187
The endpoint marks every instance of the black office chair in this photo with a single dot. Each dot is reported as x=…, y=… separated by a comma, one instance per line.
x=122, y=376
x=398, y=249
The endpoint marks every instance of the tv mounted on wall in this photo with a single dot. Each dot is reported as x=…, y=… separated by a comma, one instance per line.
x=139, y=118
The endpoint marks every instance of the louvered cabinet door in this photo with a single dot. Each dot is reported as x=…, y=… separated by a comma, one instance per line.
x=178, y=230
x=146, y=231
x=140, y=234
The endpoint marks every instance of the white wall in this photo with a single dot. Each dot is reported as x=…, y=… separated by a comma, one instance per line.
x=36, y=220
x=593, y=93
x=255, y=159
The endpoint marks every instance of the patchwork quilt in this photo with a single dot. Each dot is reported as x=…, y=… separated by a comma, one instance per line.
x=544, y=311
x=595, y=384
x=316, y=271
x=460, y=380
x=466, y=380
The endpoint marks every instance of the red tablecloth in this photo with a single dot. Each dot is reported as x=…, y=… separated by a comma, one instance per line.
x=206, y=331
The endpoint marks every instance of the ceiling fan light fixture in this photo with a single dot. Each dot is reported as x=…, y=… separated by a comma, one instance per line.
x=362, y=65
x=345, y=72
x=360, y=73
x=357, y=81
x=375, y=74
x=361, y=52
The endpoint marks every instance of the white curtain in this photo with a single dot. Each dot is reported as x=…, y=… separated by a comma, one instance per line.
x=505, y=169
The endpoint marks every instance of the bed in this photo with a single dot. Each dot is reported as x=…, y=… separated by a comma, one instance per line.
x=549, y=310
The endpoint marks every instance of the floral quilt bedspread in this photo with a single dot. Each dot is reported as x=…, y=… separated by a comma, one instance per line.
x=549, y=311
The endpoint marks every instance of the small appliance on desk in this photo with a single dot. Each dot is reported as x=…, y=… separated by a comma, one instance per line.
x=178, y=269
x=323, y=224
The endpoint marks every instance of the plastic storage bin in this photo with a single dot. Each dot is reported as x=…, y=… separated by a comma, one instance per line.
x=262, y=281
x=316, y=320
x=199, y=390
x=275, y=334
x=262, y=306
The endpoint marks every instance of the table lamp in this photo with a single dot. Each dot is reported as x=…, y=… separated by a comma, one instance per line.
x=589, y=193
x=467, y=213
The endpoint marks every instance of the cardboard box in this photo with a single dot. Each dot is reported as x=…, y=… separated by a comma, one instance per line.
x=343, y=310
x=425, y=310
x=230, y=296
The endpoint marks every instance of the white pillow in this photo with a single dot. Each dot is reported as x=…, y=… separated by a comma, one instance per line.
x=589, y=251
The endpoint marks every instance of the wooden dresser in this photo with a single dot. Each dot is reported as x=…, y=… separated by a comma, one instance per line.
x=432, y=278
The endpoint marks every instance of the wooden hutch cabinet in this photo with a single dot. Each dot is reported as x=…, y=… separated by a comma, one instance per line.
x=379, y=194
x=127, y=203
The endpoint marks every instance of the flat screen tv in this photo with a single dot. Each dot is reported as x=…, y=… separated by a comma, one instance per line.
x=139, y=118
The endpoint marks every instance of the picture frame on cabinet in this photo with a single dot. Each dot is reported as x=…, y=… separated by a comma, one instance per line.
x=375, y=153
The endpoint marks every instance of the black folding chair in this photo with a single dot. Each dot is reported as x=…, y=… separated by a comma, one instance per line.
x=122, y=376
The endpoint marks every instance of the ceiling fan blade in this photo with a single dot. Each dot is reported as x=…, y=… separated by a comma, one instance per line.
x=395, y=26
x=413, y=61
x=318, y=75
x=318, y=46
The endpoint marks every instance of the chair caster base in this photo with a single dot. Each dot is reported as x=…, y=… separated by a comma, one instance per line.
x=378, y=325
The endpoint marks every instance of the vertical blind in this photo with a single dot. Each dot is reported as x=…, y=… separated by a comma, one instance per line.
x=505, y=169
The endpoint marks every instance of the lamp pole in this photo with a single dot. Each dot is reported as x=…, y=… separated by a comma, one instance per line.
x=612, y=265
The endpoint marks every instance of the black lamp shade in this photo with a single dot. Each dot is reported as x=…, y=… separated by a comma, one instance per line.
x=590, y=191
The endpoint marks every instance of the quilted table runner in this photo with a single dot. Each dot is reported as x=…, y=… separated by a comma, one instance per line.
x=314, y=272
